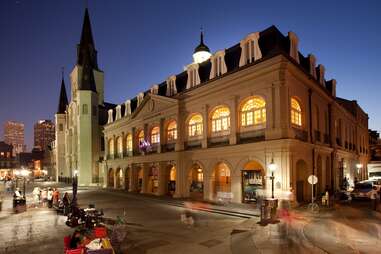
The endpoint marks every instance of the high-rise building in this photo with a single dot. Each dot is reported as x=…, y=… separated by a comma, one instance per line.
x=14, y=135
x=44, y=134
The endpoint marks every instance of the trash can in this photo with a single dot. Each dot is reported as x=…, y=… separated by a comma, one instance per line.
x=268, y=210
x=19, y=205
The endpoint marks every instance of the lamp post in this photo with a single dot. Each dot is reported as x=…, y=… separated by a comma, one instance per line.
x=75, y=187
x=272, y=167
x=24, y=173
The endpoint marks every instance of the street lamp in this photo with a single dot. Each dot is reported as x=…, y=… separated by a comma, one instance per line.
x=75, y=187
x=24, y=173
x=272, y=167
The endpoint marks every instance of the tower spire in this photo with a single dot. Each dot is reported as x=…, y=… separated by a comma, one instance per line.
x=86, y=45
x=63, y=102
x=201, y=36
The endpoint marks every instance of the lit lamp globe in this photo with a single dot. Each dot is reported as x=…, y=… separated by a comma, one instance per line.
x=358, y=165
x=201, y=52
x=75, y=172
x=272, y=166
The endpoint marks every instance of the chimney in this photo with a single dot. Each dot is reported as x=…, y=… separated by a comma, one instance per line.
x=312, y=60
x=127, y=110
x=110, y=116
x=294, y=46
x=118, y=113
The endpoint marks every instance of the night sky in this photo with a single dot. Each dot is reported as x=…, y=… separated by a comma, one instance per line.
x=141, y=43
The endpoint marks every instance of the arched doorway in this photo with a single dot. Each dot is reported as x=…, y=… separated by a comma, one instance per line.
x=196, y=182
x=153, y=180
x=319, y=174
x=140, y=180
x=301, y=181
x=110, y=181
x=171, y=177
x=253, y=181
x=119, y=178
x=127, y=178
x=221, y=181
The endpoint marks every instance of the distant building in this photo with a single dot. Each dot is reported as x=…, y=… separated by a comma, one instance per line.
x=14, y=135
x=44, y=134
x=7, y=161
x=374, y=166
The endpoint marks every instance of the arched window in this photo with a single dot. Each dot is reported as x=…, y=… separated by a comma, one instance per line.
x=296, y=112
x=141, y=137
x=129, y=142
x=195, y=126
x=111, y=146
x=155, y=135
x=221, y=119
x=253, y=112
x=119, y=145
x=172, y=131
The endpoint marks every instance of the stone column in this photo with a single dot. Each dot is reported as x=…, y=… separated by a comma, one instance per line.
x=106, y=148
x=132, y=179
x=134, y=141
x=205, y=121
x=181, y=131
x=145, y=168
x=124, y=146
x=233, y=120
x=163, y=178
x=162, y=136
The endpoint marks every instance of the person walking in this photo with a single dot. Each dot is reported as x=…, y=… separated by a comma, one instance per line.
x=56, y=196
x=66, y=202
x=373, y=198
x=44, y=196
x=50, y=197
x=36, y=196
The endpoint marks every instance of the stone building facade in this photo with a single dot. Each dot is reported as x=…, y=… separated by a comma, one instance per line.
x=211, y=131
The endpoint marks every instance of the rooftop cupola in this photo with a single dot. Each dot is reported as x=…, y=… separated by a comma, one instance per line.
x=201, y=52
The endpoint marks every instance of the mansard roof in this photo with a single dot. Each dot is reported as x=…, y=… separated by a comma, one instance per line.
x=271, y=43
x=63, y=102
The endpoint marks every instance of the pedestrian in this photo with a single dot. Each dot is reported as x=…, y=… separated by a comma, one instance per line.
x=44, y=196
x=50, y=197
x=373, y=198
x=66, y=202
x=56, y=196
x=36, y=196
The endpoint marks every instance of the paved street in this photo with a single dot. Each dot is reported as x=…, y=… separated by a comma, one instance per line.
x=154, y=226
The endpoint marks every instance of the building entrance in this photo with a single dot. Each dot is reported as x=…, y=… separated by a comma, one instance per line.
x=252, y=181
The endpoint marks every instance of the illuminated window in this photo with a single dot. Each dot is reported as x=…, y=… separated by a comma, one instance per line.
x=195, y=126
x=141, y=137
x=119, y=144
x=296, y=113
x=111, y=147
x=172, y=131
x=221, y=119
x=253, y=112
x=129, y=142
x=155, y=135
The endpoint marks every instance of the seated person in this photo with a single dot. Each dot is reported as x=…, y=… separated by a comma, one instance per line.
x=75, y=241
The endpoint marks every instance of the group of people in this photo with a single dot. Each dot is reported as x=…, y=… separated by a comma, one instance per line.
x=48, y=197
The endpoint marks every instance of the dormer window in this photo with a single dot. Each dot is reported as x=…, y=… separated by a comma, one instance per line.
x=193, y=77
x=321, y=74
x=294, y=48
x=171, y=86
x=250, y=50
x=118, y=113
x=218, y=64
x=110, y=116
x=127, y=111
x=155, y=89
x=140, y=98
x=312, y=60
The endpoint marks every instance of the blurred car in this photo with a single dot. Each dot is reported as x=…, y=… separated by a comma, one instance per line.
x=362, y=189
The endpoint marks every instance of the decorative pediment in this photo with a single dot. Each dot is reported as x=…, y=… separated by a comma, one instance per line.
x=152, y=105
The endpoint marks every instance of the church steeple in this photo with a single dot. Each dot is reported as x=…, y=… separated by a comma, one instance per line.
x=63, y=102
x=86, y=47
x=88, y=81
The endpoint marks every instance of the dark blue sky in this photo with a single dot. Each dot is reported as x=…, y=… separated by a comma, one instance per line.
x=141, y=43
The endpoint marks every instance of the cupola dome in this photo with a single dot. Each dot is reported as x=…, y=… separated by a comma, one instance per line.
x=201, y=52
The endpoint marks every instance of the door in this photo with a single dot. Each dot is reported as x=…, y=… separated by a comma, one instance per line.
x=299, y=191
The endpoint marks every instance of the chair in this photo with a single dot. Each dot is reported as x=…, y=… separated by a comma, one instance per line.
x=67, y=240
x=100, y=232
x=75, y=251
